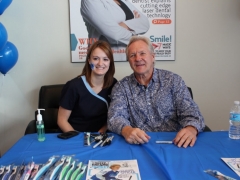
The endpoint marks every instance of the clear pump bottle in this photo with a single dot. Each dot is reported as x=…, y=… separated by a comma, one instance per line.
x=40, y=126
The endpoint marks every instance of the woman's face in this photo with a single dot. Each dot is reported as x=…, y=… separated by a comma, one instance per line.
x=99, y=62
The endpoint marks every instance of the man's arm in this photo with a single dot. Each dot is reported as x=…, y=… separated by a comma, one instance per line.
x=118, y=117
x=186, y=137
x=134, y=135
x=189, y=115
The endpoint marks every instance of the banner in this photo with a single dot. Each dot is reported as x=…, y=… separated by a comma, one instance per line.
x=116, y=21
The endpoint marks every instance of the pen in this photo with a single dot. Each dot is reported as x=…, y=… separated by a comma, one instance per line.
x=164, y=142
x=104, y=142
x=97, y=144
x=238, y=166
x=110, y=140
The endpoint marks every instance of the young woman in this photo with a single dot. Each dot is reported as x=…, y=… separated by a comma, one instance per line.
x=85, y=99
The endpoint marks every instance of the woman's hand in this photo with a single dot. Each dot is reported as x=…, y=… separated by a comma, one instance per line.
x=103, y=129
x=136, y=15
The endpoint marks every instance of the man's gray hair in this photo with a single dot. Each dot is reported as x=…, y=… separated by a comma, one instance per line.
x=140, y=38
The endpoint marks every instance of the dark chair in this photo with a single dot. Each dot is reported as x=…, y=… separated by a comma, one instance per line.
x=49, y=96
x=190, y=90
x=206, y=129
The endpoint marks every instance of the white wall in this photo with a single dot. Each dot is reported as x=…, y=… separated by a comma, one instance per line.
x=207, y=57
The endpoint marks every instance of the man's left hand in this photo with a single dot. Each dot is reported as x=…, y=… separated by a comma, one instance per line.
x=186, y=137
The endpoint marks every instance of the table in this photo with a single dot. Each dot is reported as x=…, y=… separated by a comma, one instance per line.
x=155, y=161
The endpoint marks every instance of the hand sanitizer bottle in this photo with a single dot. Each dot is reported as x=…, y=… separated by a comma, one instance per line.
x=40, y=126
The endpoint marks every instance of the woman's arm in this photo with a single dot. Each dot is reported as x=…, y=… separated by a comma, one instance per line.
x=63, y=115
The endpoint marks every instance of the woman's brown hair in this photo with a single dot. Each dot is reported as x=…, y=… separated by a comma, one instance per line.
x=108, y=77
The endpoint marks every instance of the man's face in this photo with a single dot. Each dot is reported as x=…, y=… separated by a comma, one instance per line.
x=140, y=58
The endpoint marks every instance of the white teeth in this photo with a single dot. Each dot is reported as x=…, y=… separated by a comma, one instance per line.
x=100, y=67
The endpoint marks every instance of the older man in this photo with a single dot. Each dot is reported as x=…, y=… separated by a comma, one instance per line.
x=152, y=100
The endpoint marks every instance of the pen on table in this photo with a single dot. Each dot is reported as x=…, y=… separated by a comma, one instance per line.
x=164, y=142
x=97, y=144
x=104, y=142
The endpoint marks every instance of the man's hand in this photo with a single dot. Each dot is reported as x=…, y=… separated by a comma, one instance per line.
x=186, y=137
x=134, y=135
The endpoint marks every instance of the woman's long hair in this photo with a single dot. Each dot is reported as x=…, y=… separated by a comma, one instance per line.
x=108, y=77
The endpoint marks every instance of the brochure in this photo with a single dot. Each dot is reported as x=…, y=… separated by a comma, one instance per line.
x=218, y=175
x=233, y=163
x=113, y=169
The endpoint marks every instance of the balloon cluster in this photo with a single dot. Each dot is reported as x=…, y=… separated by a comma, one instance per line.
x=8, y=52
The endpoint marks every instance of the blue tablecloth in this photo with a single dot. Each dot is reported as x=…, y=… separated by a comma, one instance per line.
x=155, y=161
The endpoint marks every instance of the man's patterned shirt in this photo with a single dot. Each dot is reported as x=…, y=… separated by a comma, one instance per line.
x=164, y=105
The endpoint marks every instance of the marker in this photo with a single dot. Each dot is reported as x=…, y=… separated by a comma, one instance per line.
x=164, y=142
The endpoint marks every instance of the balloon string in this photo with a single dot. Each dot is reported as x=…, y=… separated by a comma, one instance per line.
x=3, y=124
x=1, y=85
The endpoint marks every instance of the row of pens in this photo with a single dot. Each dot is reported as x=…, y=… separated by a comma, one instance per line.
x=59, y=168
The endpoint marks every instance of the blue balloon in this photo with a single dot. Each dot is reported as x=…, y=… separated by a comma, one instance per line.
x=3, y=5
x=8, y=57
x=3, y=36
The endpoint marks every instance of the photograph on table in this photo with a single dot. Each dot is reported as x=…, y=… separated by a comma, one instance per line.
x=113, y=169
